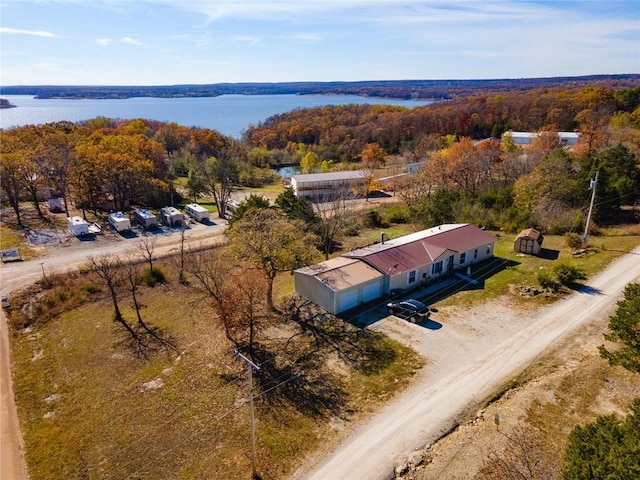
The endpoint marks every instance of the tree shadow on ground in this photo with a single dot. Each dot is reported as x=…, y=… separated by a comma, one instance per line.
x=296, y=370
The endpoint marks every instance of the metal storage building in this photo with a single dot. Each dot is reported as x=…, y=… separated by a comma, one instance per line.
x=317, y=186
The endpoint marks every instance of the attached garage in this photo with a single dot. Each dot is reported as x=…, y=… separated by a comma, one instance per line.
x=339, y=284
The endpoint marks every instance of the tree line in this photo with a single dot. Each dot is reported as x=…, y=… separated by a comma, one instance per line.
x=104, y=163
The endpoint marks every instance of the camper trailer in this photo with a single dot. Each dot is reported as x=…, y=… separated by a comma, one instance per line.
x=171, y=217
x=146, y=219
x=119, y=222
x=55, y=205
x=197, y=212
x=78, y=226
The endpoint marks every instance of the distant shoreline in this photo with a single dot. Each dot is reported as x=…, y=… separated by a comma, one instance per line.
x=4, y=103
x=392, y=89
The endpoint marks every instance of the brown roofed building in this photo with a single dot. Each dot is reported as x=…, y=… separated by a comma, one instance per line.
x=528, y=241
x=402, y=263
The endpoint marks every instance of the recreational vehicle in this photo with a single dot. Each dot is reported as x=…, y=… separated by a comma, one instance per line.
x=55, y=205
x=171, y=217
x=146, y=219
x=197, y=212
x=119, y=222
x=78, y=226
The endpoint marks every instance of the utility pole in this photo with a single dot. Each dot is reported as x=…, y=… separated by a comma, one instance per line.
x=250, y=367
x=592, y=186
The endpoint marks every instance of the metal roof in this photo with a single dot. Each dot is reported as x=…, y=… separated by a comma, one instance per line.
x=330, y=176
x=421, y=248
x=340, y=273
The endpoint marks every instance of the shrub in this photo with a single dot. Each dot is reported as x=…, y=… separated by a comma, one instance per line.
x=547, y=281
x=373, y=219
x=398, y=214
x=573, y=240
x=90, y=289
x=151, y=276
x=566, y=274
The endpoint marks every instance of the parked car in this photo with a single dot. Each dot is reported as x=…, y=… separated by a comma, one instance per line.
x=5, y=302
x=410, y=309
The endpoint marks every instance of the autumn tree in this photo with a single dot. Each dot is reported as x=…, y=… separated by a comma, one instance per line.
x=272, y=243
x=238, y=295
x=10, y=167
x=373, y=156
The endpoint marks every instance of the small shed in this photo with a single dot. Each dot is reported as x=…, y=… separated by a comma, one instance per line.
x=529, y=241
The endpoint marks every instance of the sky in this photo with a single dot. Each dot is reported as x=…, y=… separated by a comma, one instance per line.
x=167, y=42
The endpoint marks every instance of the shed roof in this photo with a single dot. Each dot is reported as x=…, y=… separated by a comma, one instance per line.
x=529, y=233
x=421, y=248
x=340, y=273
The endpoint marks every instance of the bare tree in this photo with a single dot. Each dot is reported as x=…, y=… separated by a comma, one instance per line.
x=526, y=456
x=146, y=246
x=238, y=295
x=131, y=274
x=108, y=268
x=332, y=210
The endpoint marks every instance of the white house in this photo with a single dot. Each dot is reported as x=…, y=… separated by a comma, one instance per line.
x=317, y=186
x=402, y=263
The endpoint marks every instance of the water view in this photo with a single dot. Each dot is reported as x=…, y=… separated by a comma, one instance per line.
x=229, y=114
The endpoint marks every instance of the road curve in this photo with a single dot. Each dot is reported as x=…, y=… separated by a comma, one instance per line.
x=425, y=411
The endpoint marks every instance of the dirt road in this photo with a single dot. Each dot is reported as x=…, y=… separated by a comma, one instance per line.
x=61, y=259
x=430, y=407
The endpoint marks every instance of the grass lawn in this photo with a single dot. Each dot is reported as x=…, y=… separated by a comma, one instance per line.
x=89, y=408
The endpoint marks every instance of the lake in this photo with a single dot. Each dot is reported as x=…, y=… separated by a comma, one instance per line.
x=229, y=114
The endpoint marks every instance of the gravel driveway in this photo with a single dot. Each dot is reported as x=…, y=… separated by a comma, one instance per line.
x=472, y=355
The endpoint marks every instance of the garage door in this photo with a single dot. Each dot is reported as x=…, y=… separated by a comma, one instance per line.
x=371, y=291
x=347, y=300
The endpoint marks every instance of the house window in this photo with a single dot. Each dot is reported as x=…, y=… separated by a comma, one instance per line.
x=475, y=253
x=412, y=276
x=488, y=249
x=436, y=268
x=463, y=258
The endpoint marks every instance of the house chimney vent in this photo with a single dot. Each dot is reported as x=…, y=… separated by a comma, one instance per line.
x=382, y=238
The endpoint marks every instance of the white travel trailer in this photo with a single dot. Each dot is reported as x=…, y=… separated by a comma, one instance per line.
x=171, y=217
x=197, y=212
x=119, y=222
x=146, y=219
x=78, y=226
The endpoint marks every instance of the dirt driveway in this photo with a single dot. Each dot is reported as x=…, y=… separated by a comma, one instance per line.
x=472, y=355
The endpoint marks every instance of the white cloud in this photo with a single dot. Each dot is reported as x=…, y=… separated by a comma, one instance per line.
x=247, y=39
x=35, y=33
x=132, y=41
x=103, y=41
